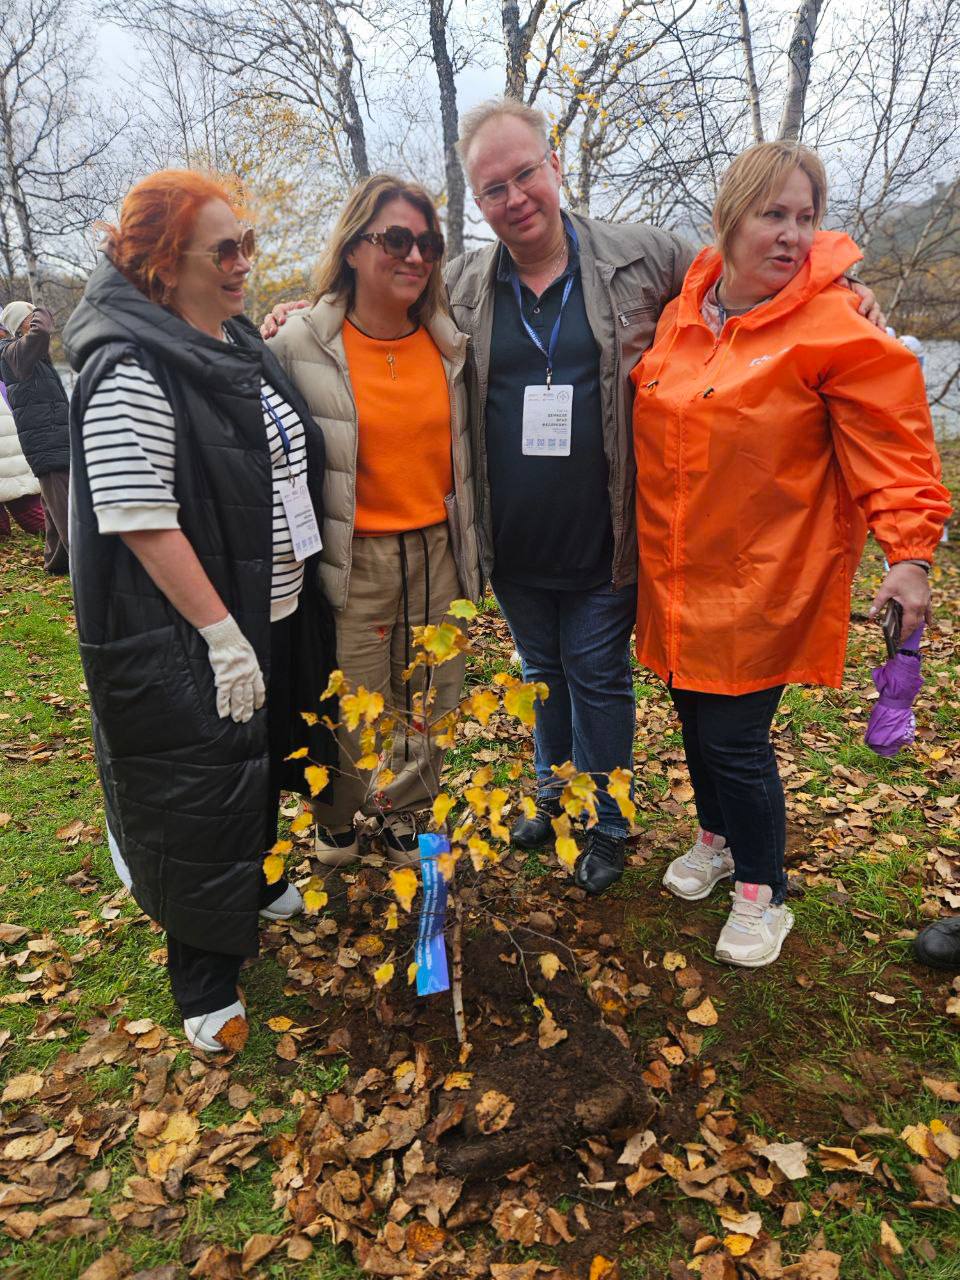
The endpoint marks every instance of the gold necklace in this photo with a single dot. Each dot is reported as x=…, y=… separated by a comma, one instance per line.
x=391, y=357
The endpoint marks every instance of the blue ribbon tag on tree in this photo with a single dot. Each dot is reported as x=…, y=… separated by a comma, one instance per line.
x=431, y=952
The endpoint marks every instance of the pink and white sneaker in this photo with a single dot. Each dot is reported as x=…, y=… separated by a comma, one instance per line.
x=694, y=874
x=756, y=929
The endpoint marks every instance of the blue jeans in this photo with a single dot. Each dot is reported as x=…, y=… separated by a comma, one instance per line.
x=738, y=793
x=578, y=644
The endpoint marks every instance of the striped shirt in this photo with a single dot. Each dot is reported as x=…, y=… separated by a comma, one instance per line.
x=129, y=446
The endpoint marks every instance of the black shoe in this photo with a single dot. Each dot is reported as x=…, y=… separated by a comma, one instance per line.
x=601, y=863
x=938, y=945
x=530, y=833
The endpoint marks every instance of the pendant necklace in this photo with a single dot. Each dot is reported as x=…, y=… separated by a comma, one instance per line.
x=390, y=355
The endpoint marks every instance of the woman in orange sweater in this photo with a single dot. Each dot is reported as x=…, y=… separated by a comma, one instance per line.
x=773, y=426
x=381, y=366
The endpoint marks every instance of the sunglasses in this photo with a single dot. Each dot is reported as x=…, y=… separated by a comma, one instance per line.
x=398, y=241
x=227, y=253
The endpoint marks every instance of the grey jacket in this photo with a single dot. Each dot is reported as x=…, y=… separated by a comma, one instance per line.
x=310, y=348
x=629, y=273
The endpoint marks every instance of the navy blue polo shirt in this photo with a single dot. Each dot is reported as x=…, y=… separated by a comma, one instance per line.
x=551, y=516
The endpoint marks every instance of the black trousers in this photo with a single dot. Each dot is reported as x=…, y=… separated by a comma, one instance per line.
x=737, y=788
x=204, y=981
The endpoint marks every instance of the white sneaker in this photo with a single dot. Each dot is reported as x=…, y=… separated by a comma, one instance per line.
x=755, y=929
x=202, y=1030
x=336, y=848
x=694, y=873
x=290, y=903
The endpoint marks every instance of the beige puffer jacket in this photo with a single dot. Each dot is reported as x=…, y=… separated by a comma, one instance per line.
x=16, y=478
x=310, y=348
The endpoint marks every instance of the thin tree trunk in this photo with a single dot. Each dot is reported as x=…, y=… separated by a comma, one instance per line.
x=450, y=122
x=801, y=59
x=19, y=201
x=753, y=92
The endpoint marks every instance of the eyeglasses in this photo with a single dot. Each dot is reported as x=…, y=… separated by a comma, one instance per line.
x=227, y=253
x=497, y=194
x=398, y=241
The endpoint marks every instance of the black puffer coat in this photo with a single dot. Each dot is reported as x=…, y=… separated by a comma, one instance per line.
x=40, y=408
x=186, y=791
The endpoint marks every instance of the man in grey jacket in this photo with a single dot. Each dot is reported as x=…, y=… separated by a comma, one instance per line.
x=558, y=312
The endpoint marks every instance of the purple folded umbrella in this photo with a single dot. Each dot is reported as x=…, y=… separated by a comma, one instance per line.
x=892, y=724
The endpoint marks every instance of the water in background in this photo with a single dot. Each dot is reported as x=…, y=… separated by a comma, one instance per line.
x=941, y=360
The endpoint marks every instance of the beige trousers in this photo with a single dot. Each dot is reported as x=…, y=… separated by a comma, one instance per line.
x=397, y=581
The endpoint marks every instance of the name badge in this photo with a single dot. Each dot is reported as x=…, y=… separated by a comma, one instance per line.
x=301, y=518
x=547, y=421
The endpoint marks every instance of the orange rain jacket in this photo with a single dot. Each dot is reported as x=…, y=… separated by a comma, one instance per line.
x=762, y=457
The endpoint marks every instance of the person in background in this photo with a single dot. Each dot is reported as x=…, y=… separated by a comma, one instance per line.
x=196, y=491
x=380, y=364
x=773, y=426
x=19, y=487
x=41, y=410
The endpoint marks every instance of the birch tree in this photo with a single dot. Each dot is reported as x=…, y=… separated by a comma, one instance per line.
x=57, y=168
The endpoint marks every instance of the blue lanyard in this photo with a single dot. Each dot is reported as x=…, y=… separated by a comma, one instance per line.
x=551, y=349
x=284, y=438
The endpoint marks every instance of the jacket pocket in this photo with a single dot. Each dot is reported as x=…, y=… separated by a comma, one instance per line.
x=456, y=539
x=145, y=696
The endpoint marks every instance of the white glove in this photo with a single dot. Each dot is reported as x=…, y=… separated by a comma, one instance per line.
x=236, y=671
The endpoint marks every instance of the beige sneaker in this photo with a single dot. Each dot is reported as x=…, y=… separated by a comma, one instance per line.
x=694, y=874
x=400, y=839
x=756, y=929
x=336, y=848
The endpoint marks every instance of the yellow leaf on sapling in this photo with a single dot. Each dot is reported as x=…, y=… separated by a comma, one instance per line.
x=296, y=755
x=462, y=609
x=317, y=776
x=315, y=899
x=441, y=808
x=619, y=782
x=412, y=970
x=273, y=867
x=383, y=974
x=404, y=883
x=336, y=684
x=282, y=846
x=302, y=821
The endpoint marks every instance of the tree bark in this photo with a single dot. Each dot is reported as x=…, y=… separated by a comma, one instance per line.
x=450, y=125
x=753, y=92
x=800, y=55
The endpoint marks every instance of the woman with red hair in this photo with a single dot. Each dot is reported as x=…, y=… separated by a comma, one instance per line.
x=195, y=503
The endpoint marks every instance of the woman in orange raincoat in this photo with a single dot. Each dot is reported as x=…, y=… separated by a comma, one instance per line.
x=772, y=426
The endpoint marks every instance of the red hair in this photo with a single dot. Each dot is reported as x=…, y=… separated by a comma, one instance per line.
x=157, y=219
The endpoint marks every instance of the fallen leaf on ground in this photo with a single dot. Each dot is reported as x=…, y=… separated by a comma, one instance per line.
x=493, y=1111
x=789, y=1157
x=704, y=1014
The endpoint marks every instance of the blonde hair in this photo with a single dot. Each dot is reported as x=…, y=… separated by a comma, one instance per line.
x=496, y=109
x=334, y=274
x=755, y=177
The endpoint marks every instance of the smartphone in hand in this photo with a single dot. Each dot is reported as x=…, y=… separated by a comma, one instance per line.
x=892, y=623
